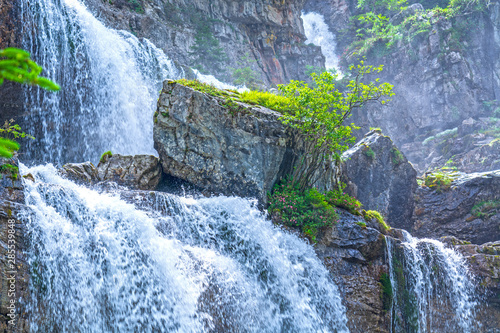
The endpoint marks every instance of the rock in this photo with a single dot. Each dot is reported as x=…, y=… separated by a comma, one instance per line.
x=82, y=173
x=200, y=141
x=266, y=35
x=449, y=213
x=11, y=205
x=355, y=257
x=381, y=178
x=137, y=172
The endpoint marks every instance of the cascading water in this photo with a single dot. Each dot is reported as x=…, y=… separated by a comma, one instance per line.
x=318, y=33
x=432, y=287
x=154, y=262
x=109, y=84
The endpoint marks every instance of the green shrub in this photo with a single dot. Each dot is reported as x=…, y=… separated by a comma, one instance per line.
x=373, y=214
x=341, y=199
x=10, y=170
x=486, y=209
x=103, y=156
x=397, y=156
x=439, y=180
x=309, y=211
x=369, y=152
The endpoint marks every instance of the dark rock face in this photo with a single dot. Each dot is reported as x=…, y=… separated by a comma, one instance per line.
x=355, y=257
x=200, y=141
x=138, y=172
x=449, y=213
x=380, y=177
x=11, y=204
x=11, y=94
x=267, y=31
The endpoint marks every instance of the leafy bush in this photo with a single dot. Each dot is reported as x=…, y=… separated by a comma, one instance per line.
x=439, y=180
x=343, y=200
x=397, y=156
x=10, y=170
x=373, y=214
x=486, y=209
x=16, y=66
x=307, y=210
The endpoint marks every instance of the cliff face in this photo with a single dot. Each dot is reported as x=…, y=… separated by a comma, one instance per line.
x=217, y=36
x=443, y=76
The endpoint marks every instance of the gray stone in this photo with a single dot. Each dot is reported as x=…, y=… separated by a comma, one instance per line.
x=137, y=172
x=448, y=213
x=201, y=141
x=82, y=173
x=381, y=178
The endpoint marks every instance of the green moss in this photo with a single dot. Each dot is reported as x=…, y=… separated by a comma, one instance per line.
x=486, y=209
x=103, y=156
x=439, y=180
x=368, y=151
x=373, y=214
x=397, y=156
x=361, y=224
x=10, y=170
x=387, y=292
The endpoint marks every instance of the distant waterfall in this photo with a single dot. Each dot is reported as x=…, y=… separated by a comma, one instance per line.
x=155, y=262
x=318, y=33
x=432, y=288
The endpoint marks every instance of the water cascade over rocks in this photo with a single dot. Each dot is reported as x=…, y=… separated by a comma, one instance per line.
x=431, y=286
x=161, y=263
x=133, y=261
x=318, y=33
x=110, y=82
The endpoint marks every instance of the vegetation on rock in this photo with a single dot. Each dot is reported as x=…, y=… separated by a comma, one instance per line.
x=373, y=214
x=486, y=209
x=309, y=210
x=105, y=155
x=439, y=180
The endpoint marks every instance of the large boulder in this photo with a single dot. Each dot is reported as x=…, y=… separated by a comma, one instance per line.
x=450, y=212
x=141, y=172
x=81, y=173
x=202, y=141
x=381, y=178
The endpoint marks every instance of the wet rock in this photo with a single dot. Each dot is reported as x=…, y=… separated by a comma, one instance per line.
x=381, y=178
x=354, y=255
x=449, y=212
x=201, y=141
x=82, y=173
x=137, y=172
x=16, y=262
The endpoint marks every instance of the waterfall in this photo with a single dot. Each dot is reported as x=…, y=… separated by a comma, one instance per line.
x=110, y=82
x=154, y=262
x=431, y=286
x=318, y=33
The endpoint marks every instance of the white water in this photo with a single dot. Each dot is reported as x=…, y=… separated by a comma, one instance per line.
x=318, y=33
x=110, y=82
x=168, y=264
x=439, y=288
